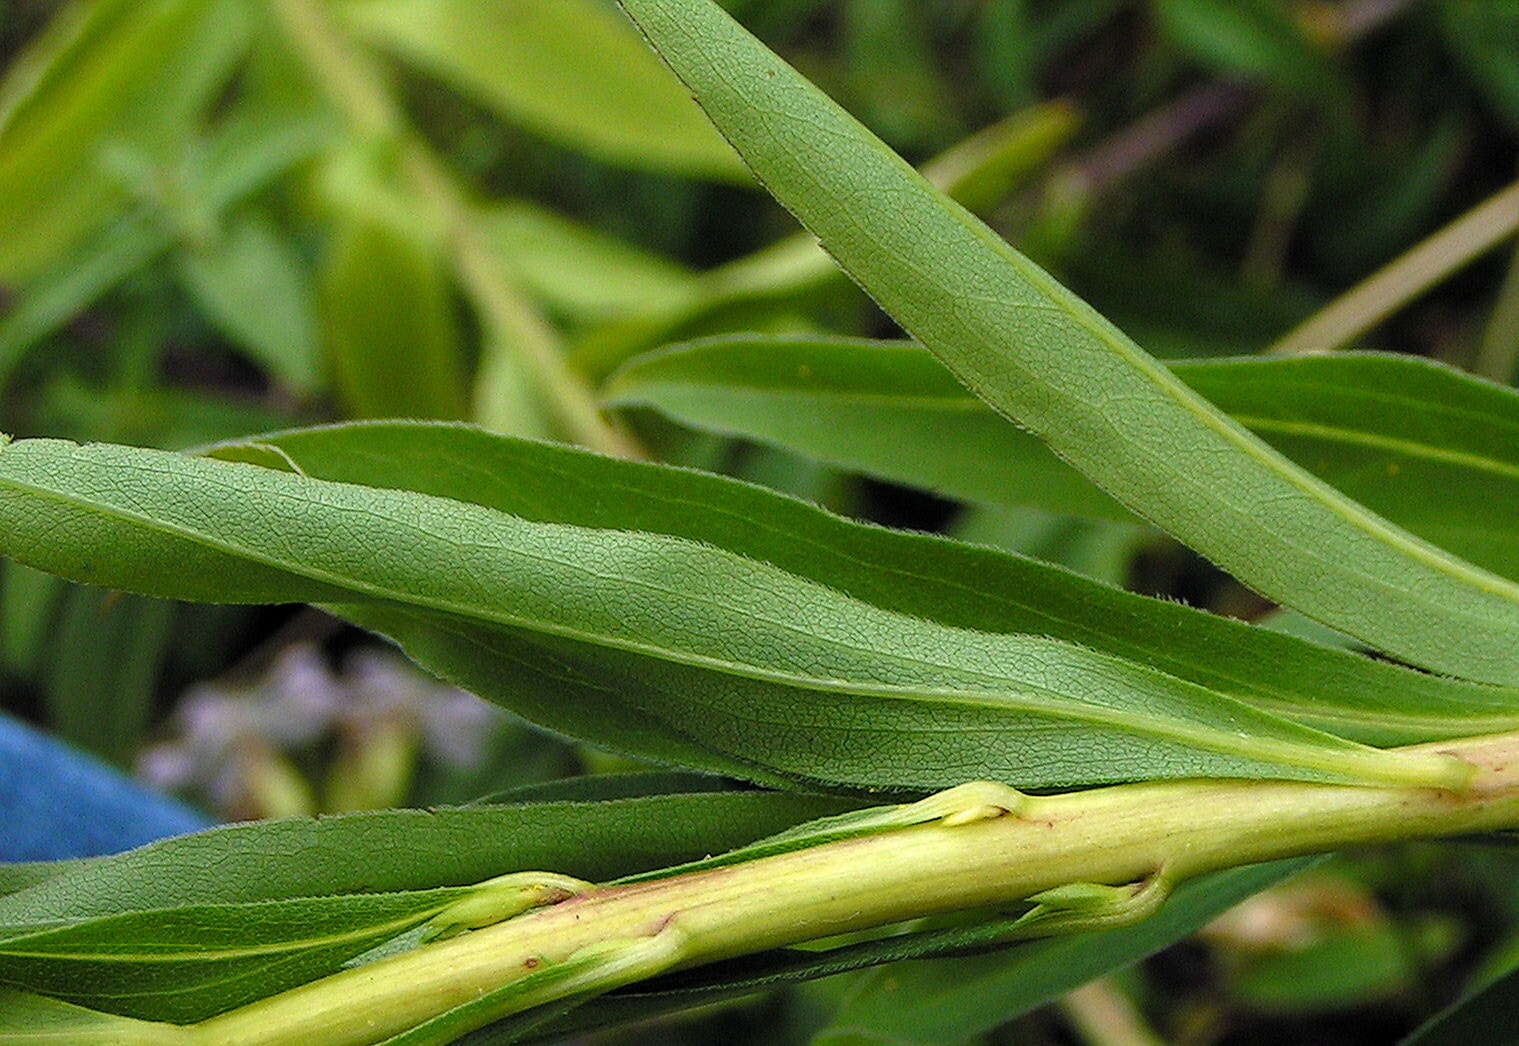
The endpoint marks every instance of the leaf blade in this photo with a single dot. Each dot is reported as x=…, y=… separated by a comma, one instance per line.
x=1039, y=354
x=718, y=661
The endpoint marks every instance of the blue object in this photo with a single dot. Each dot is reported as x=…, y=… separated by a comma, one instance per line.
x=56, y=802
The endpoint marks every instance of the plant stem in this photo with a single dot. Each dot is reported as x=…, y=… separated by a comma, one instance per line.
x=1362, y=307
x=359, y=91
x=1118, y=835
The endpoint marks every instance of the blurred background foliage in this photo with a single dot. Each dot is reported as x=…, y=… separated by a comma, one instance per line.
x=219, y=217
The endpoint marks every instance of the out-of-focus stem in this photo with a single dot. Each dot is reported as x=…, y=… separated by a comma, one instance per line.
x=1367, y=304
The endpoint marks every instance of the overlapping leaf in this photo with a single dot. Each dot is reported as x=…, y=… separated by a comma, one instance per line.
x=650, y=643
x=1384, y=429
x=1037, y=353
x=913, y=574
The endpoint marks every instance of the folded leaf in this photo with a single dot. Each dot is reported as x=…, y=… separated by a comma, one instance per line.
x=650, y=643
x=914, y=574
x=1384, y=429
x=1037, y=353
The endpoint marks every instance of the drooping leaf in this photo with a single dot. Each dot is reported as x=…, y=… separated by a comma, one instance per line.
x=648, y=643
x=1383, y=429
x=913, y=574
x=1037, y=353
x=567, y=69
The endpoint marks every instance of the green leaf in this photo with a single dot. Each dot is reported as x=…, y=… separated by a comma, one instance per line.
x=251, y=283
x=150, y=933
x=28, y=599
x=33, y=1020
x=569, y=70
x=186, y=963
x=1037, y=353
x=1484, y=34
x=579, y=270
x=115, y=77
x=1254, y=37
x=387, y=321
x=647, y=643
x=103, y=670
x=1383, y=429
x=979, y=171
x=913, y=574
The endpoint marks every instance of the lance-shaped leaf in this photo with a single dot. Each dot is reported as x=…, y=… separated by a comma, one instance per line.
x=152, y=933
x=1039, y=354
x=650, y=643
x=914, y=574
x=1383, y=429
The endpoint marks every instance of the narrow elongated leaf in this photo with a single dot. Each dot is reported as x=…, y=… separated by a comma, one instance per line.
x=103, y=672
x=1037, y=353
x=913, y=574
x=1384, y=429
x=650, y=643
x=183, y=964
x=1256, y=37
x=388, y=323
x=567, y=69
x=580, y=270
x=153, y=933
x=34, y=1020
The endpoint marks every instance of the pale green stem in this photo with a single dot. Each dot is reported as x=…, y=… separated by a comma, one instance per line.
x=360, y=92
x=1367, y=304
x=1498, y=354
x=1166, y=831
